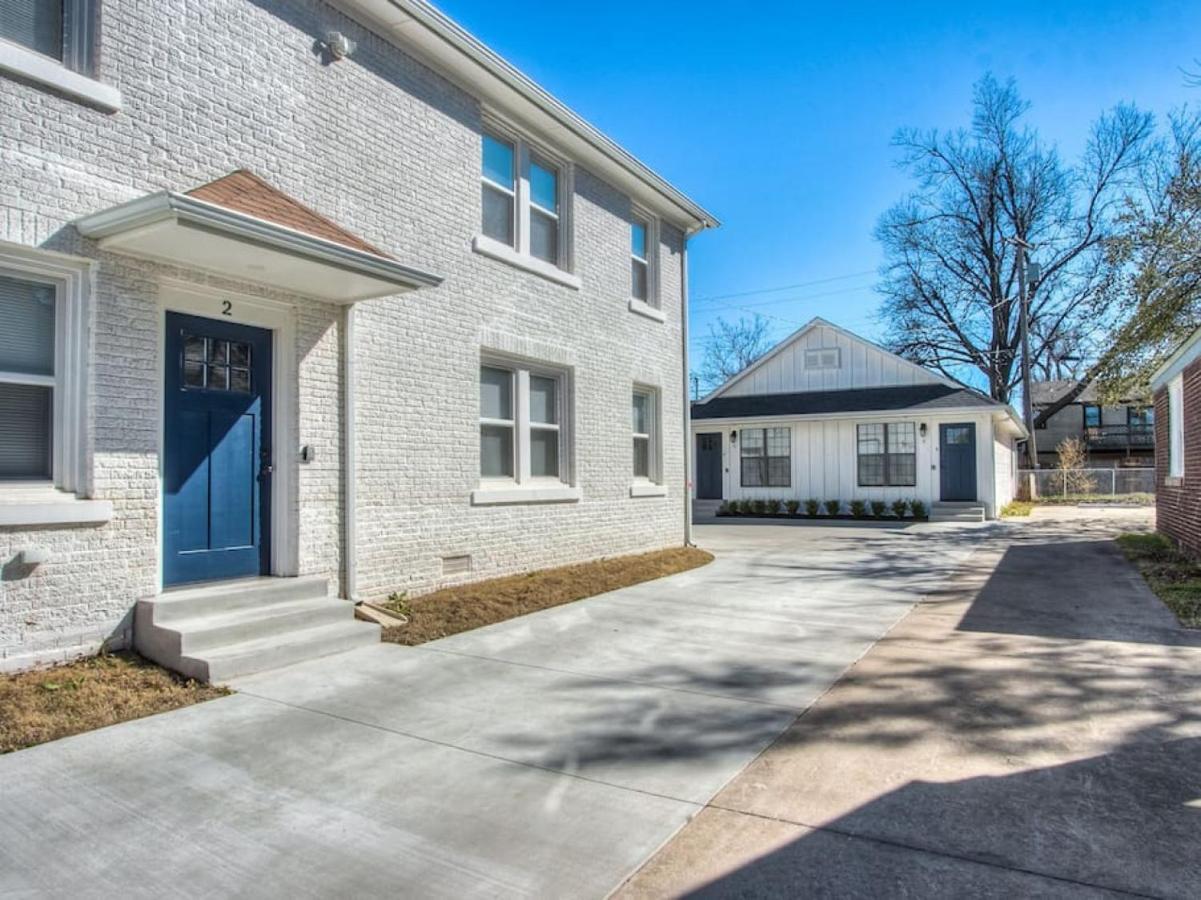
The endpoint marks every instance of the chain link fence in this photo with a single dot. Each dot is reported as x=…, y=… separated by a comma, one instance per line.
x=1088, y=483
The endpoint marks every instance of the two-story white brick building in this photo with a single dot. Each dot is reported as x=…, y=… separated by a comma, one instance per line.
x=292, y=288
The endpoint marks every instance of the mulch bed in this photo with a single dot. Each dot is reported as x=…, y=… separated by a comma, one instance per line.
x=47, y=704
x=464, y=607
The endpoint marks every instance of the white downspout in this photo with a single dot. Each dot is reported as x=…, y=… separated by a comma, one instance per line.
x=349, y=457
x=687, y=401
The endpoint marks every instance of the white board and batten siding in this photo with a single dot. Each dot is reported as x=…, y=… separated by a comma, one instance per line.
x=825, y=460
x=797, y=366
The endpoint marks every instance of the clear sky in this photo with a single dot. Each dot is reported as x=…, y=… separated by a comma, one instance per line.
x=777, y=117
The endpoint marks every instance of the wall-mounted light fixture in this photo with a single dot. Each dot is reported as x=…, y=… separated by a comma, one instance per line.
x=338, y=45
x=734, y=436
x=922, y=429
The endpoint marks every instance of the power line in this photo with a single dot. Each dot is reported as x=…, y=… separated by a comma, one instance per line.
x=784, y=287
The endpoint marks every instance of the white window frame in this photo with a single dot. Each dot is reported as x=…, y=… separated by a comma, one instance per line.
x=652, y=305
x=822, y=358
x=518, y=254
x=1176, y=427
x=525, y=486
x=70, y=74
x=653, y=436
x=71, y=278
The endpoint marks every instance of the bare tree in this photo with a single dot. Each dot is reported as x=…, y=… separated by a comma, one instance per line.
x=731, y=347
x=950, y=278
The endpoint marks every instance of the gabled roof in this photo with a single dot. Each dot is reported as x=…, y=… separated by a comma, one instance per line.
x=819, y=322
x=243, y=191
x=907, y=398
x=1044, y=393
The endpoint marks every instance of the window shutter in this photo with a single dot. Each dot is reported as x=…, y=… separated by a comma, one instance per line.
x=36, y=24
x=26, y=326
x=25, y=412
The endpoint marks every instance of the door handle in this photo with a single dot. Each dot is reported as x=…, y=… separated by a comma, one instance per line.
x=267, y=469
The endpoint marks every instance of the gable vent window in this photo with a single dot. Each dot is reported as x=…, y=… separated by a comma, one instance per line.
x=823, y=358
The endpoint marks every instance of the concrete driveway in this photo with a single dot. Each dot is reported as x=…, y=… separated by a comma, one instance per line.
x=548, y=756
x=1031, y=730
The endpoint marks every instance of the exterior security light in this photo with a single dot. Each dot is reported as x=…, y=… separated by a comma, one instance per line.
x=338, y=45
x=734, y=436
x=922, y=429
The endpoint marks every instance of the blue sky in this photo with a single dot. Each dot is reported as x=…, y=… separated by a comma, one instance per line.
x=778, y=117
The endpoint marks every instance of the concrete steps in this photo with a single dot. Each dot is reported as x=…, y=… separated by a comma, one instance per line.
x=705, y=509
x=220, y=631
x=957, y=512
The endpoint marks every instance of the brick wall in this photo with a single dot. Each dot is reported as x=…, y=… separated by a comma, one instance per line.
x=390, y=150
x=1178, y=507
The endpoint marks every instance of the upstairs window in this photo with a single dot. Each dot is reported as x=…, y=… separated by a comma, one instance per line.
x=640, y=276
x=766, y=457
x=59, y=29
x=524, y=204
x=1140, y=418
x=544, y=211
x=1092, y=415
x=27, y=378
x=500, y=190
x=887, y=454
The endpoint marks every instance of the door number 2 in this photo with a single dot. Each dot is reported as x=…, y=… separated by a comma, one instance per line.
x=227, y=308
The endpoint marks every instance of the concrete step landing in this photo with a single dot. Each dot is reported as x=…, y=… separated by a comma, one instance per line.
x=219, y=631
x=957, y=512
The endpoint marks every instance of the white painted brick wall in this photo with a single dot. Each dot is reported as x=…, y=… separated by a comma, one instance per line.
x=390, y=150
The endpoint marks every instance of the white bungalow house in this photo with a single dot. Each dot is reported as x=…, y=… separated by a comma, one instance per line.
x=831, y=416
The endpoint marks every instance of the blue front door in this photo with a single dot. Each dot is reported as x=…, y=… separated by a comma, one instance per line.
x=957, y=460
x=217, y=450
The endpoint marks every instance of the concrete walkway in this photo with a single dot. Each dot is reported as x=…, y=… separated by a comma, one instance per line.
x=1032, y=730
x=548, y=756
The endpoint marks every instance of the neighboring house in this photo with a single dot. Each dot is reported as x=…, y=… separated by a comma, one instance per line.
x=292, y=288
x=1176, y=387
x=1121, y=434
x=828, y=415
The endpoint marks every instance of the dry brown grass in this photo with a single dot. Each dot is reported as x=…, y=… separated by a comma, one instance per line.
x=452, y=610
x=47, y=704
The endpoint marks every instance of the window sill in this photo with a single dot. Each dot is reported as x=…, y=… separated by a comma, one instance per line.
x=23, y=505
x=493, y=496
x=486, y=246
x=647, y=489
x=645, y=309
x=1173, y=481
x=25, y=63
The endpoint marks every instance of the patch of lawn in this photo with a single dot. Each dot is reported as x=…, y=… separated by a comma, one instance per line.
x=47, y=704
x=461, y=608
x=1016, y=508
x=1074, y=499
x=1175, y=577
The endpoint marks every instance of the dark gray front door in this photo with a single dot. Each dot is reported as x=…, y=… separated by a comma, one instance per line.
x=708, y=465
x=957, y=461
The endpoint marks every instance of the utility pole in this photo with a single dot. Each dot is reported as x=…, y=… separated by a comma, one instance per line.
x=1027, y=402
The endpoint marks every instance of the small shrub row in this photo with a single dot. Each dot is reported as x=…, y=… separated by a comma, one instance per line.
x=813, y=508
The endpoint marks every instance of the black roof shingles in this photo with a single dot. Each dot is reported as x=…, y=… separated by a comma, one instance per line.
x=908, y=398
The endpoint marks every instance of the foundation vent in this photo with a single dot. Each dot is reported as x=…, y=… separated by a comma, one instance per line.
x=456, y=565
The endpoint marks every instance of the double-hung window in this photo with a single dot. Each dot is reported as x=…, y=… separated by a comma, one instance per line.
x=522, y=424
x=524, y=209
x=1092, y=415
x=644, y=424
x=766, y=456
x=887, y=454
x=59, y=29
x=640, y=267
x=27, y=378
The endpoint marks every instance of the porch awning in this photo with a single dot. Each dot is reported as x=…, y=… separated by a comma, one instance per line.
x=242, y=227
